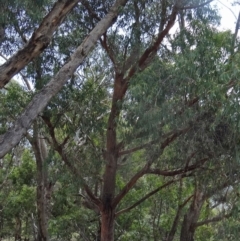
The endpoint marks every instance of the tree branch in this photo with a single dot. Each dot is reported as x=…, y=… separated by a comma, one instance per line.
x=145, y=197
x=195, y=6
x=145, y=169
x=135, y=40
x=176, y=219
x=167, y=173
x=214, y=219
x=91, y=12
x=151, y=51
x=129, y=185
x=72, y=168
x=23, y=77
x=109, y=51
x=235, y=34
x=12, y=137
x=137, y=148
x=39, y=41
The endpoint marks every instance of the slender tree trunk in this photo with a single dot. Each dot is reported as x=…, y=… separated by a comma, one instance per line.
x=18, y=229
x=111, y=158
x=1, y=222
x=191, y=217
x=108, y=211
x=43, y=187
x=41, y=200
x=34, y=227
x=42, y=217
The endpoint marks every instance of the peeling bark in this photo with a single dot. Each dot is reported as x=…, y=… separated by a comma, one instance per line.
x=38, y=42
x=12, y=137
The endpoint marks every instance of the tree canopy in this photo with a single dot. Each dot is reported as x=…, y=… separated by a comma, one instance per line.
x=119, y=120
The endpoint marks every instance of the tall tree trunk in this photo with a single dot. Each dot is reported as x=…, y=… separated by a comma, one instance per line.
x=190, y=218
x=44, y=188
x=111, y=158
x=1, y=222
x=18, y=229
x=108, y=211
x=107, y=224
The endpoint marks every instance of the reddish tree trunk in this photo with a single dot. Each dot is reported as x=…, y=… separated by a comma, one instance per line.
x=107, y=225
x=108, y=211
x=111, y=158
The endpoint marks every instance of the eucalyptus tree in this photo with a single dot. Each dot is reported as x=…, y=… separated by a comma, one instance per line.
x=143, y=103
x=176, y=102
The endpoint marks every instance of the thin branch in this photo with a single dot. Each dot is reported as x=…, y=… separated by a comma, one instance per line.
x=129, y=185
x=109, y=51
x=151, y=51
x=173, y=137
x=214, y=219
x=129, y=151
x=163, y=15
x=145, y=169
x=6, y=178
x=235, y=34
x=136, y=36
x=91, y=12
x=73, y=169
x=228, y=9
x=176, y=219
x=167, y=173
x=18, y=29
x=65, y=141
x=189, y=159
x=195, y=6
x=145, y=197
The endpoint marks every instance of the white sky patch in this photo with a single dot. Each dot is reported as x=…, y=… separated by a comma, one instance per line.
x=228, y=13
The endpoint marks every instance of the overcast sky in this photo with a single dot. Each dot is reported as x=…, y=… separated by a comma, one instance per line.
x=228, y=12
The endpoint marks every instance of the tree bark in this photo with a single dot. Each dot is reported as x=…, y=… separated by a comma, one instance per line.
x=44, y=188
x=12, y=137
x=190, y=219
x=107, y=224
x=111, y=157
x=38, y=42
x=18, y=229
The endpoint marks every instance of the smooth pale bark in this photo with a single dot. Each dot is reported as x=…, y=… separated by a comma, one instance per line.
x=12, y=137
x=38, y=42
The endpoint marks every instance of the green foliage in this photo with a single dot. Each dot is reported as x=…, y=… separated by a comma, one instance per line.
x=26, y=172
x=191, y=83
